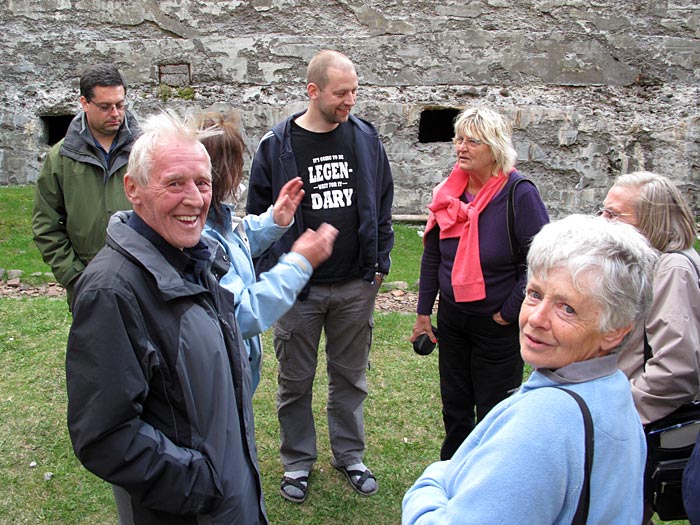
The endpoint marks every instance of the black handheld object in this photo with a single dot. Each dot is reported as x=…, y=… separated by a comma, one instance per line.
x=423, y=345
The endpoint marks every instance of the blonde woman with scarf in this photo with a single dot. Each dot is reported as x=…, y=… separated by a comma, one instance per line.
x=468, y=260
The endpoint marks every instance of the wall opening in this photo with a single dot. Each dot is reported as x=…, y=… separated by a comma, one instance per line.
x=55, y=127
x=437, y=125
x=174, y=74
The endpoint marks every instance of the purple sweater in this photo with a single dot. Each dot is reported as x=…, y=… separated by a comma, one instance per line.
x=505, y=282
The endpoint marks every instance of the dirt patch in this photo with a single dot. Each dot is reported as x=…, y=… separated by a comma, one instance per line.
x=396, y=301
x=392, y=301
x=12, y=288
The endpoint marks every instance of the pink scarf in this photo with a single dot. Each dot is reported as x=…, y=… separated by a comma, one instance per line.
x=460, y=219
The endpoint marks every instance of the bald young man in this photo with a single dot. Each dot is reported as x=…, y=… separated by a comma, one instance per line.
x=347, y=183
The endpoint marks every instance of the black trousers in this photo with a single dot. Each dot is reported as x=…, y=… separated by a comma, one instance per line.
x=480, y=365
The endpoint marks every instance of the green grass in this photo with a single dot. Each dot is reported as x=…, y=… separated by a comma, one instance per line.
x=402, y=413
x=406, y=254
x=17, y=249
x=33, y=431
x=402, y=416
x=403, y=428
x=18, y=252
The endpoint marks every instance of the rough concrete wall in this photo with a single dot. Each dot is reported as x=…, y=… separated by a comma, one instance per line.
x=595, y=88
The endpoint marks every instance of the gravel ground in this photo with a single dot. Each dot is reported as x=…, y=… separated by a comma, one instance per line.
x=392, y=301
x=396, y=301
x=12, y=288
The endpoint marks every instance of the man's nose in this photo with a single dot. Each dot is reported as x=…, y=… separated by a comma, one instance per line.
x=193, y=196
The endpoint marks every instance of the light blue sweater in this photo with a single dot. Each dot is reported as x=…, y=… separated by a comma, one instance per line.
x=523, y=464
x=259, y=303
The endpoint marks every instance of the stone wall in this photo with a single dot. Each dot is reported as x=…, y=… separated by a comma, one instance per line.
x=595, y=88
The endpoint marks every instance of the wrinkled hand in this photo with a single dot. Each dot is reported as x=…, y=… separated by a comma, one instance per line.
x=287, y=202
x=423, y=326
x=317, y=245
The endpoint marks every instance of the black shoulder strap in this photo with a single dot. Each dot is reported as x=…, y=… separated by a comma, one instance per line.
x=584, y=499
x=647, y=349
x=691, y=261
x=515, y=251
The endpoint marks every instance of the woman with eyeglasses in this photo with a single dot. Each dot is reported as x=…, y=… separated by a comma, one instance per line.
x=670, y=377
x=469, y=261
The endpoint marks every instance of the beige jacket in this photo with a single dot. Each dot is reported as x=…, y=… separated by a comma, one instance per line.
x=672, y=376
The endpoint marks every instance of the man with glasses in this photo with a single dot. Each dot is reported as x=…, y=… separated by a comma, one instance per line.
x=81, y=183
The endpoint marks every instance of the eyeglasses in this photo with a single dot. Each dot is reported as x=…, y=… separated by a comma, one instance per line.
x=107, y=108
x=611, y=214
x=458, y=141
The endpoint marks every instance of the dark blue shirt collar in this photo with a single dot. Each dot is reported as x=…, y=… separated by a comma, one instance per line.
x=190, y=262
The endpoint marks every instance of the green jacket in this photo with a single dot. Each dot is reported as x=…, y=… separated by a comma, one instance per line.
x=75, y=196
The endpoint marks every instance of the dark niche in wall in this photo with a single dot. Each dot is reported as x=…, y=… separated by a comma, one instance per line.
x=436, y=124
x=55, y=127
x=174, y=74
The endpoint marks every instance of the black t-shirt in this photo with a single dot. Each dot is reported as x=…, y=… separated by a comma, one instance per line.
x=327, y=165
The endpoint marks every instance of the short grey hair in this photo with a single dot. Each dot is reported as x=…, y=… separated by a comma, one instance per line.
x=156, y=131
x=609, y=260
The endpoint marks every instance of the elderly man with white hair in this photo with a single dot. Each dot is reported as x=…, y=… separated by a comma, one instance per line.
x=159, y=384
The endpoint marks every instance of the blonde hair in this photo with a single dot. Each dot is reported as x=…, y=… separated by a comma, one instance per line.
x=663, y=216
x=492, y=128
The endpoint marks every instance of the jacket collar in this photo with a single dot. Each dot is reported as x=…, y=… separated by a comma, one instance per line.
x=225, y=215
x=79, y=142
x=169, y=279
x=582, y=371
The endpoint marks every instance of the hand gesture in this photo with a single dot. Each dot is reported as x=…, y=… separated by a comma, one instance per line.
x=287, y=202
x=317, y=245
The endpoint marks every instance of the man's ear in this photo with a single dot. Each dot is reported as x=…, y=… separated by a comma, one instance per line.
x=84, y=102
x=312, y=90
x=131, y=189
x=613, y=338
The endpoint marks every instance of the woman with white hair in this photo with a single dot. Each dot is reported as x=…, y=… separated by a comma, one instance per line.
x=589, y=280
x=474, y=257
x=667, y=376
x=662, y=355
